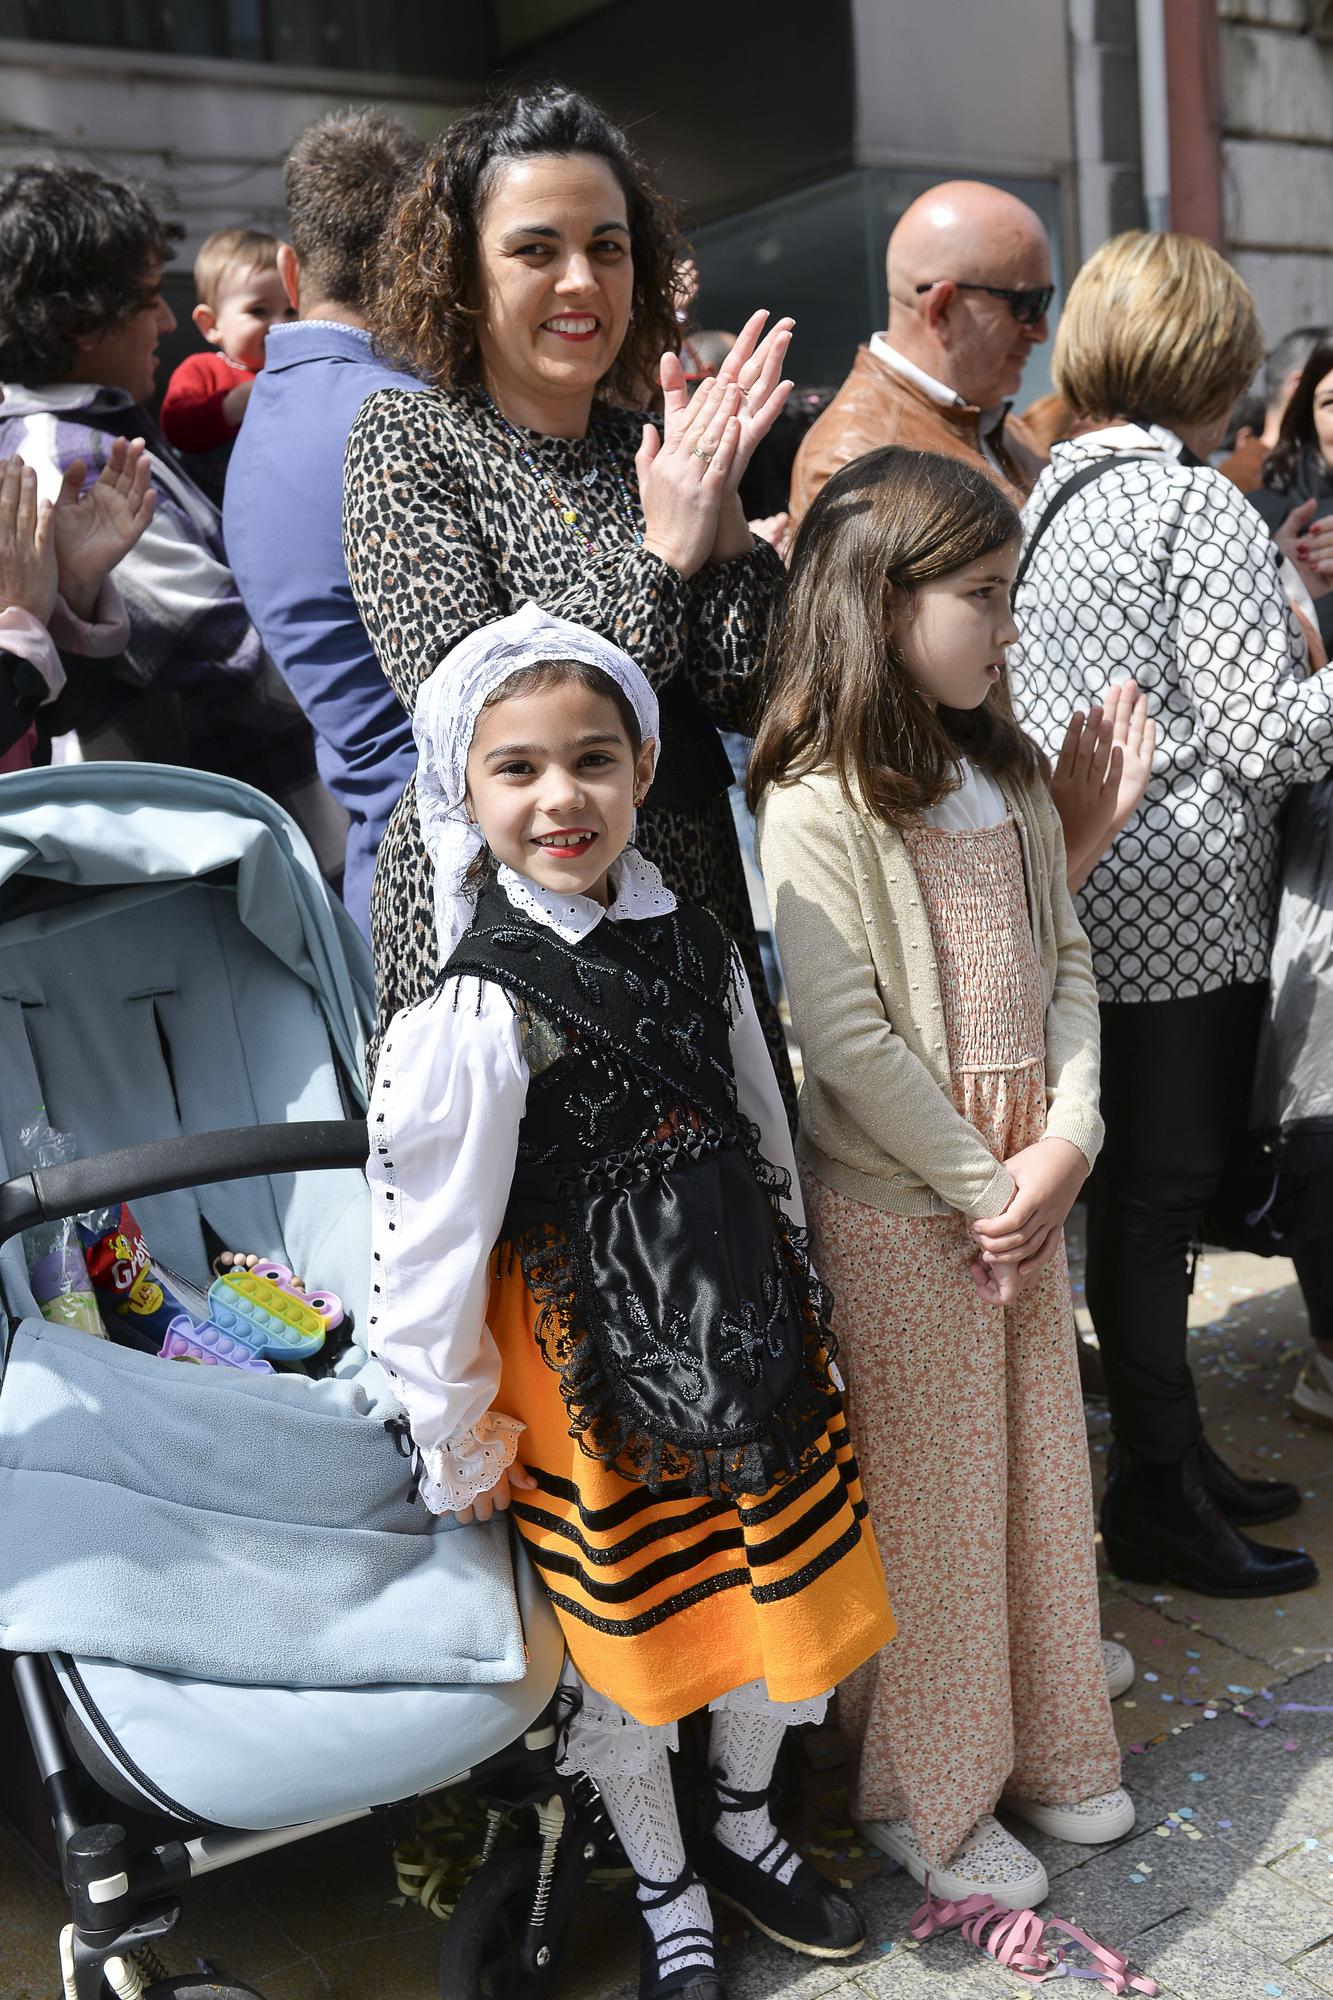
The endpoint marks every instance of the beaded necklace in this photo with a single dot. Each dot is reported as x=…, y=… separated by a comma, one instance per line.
x=564, y=507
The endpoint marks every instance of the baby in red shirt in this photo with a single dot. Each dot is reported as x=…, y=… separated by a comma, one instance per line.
x=240, y=296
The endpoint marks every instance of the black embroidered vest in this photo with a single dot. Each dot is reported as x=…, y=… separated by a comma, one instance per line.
x=678, y=1304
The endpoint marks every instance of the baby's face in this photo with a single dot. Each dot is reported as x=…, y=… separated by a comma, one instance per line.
x=248, y=303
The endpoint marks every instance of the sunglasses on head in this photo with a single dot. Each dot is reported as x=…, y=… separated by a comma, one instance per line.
x=1027, y=303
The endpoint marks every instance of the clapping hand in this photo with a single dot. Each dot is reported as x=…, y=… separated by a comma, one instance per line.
x=689, y=472
x=1308, y=544
x=1102, y=773
x=28, y=575
x=94, y=530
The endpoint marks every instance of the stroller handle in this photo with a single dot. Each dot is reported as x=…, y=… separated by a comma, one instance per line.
x=194, y=1160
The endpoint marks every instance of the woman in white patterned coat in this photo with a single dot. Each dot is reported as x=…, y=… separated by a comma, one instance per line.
x=1143, y=561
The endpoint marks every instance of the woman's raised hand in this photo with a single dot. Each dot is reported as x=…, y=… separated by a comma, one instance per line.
x=684, y=469
x=755, y=366
x=689, y=474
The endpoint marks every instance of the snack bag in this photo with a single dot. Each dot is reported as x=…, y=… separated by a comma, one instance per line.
x=56, y=1268
x=137, y=1303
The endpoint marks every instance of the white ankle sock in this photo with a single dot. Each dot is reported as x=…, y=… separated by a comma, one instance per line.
x=643, y=1812
x=743, y=1748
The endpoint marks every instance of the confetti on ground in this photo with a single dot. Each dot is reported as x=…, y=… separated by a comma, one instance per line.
x=1196, y=1777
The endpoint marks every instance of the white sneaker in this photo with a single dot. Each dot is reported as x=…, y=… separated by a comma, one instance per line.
x=1107, y=1817
x=990, y=1862
x=1119, y=1664
x=1312, y=1398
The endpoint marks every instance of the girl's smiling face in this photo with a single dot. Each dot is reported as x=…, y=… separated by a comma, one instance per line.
x=953, y=636
x=552, y=781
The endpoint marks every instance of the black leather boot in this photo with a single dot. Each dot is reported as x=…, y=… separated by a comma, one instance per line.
x=1160, y=1524
x=1245, y=1501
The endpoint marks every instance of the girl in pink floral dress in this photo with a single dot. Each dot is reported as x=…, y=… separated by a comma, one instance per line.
x=942, y=993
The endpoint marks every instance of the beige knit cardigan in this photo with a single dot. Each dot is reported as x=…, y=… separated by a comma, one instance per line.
x=877, y=1115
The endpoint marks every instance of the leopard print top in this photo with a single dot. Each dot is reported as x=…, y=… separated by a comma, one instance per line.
x=446, y=528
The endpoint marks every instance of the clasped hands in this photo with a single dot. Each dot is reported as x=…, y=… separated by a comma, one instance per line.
x=1014, y=1246
x=66, y=547
x=690, y=471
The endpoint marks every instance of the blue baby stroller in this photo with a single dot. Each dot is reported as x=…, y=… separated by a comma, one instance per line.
x=232, y=1626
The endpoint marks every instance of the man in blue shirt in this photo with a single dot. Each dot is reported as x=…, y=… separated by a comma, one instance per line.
x=282, y=512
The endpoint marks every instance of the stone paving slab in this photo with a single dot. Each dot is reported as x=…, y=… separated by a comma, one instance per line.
x=1193, y=1958
x=1309, y=1864
x=1317, y=1969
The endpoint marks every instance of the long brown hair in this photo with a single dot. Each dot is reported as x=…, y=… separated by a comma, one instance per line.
x=423, y=316
x=836, y=688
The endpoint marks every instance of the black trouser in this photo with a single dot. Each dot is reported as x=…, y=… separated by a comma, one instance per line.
x=1176, y=1078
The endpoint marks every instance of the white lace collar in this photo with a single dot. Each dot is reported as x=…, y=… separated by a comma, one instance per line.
x=638, y=891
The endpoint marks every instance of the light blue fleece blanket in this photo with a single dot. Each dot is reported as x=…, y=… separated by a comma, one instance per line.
x=235, y=1527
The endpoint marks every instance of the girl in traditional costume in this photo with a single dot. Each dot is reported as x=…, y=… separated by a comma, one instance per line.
x=592, y=1284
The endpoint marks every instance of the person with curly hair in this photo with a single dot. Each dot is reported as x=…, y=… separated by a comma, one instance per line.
x=528, y=278
x=81, y=315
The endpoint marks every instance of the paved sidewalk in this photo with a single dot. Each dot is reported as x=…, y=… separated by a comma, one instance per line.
x=1224, y=1891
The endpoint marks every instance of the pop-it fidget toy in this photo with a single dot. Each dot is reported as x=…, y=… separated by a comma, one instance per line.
x=185, y=1341
x=263, y=1310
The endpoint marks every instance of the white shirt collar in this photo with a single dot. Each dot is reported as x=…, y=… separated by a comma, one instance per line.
x=987, y=420
x=638, y=891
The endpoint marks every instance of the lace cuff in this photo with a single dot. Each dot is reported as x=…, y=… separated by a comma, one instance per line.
x=453, y=1474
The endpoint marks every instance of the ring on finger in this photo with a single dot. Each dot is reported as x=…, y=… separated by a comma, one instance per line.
x=699, y=452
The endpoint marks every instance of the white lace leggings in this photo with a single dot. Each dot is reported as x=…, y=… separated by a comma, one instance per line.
x=628, y=1760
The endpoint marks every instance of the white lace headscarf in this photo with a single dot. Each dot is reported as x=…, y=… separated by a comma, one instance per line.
x=448, y=705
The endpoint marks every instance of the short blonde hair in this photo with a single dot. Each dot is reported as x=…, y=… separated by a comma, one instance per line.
x=1156, y=326
x=241, y=250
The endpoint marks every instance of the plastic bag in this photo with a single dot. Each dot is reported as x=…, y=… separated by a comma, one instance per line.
x=57, y=1271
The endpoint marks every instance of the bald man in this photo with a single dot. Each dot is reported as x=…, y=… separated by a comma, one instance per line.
x=969, y=270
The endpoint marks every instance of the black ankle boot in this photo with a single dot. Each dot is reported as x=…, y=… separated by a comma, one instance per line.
x=1245, y=1501
x=1160, y=1524
x=659, y=1976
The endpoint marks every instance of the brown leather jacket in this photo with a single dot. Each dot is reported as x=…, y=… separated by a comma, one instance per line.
x=877, y=407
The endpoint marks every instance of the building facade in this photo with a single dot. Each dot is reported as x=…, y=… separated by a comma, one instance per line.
x=791, y=135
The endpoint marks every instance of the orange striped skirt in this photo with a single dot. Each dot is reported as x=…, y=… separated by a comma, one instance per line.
x=668, y=1602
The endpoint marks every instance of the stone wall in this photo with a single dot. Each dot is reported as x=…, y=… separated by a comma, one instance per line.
x=1277, y=156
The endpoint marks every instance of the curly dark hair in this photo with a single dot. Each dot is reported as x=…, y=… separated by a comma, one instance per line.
x=1298, y=435
x=342, y=178
x=422, y=316
x=75, y=251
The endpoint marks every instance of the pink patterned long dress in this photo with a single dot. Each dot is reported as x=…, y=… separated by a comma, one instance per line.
x=969, y=1427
